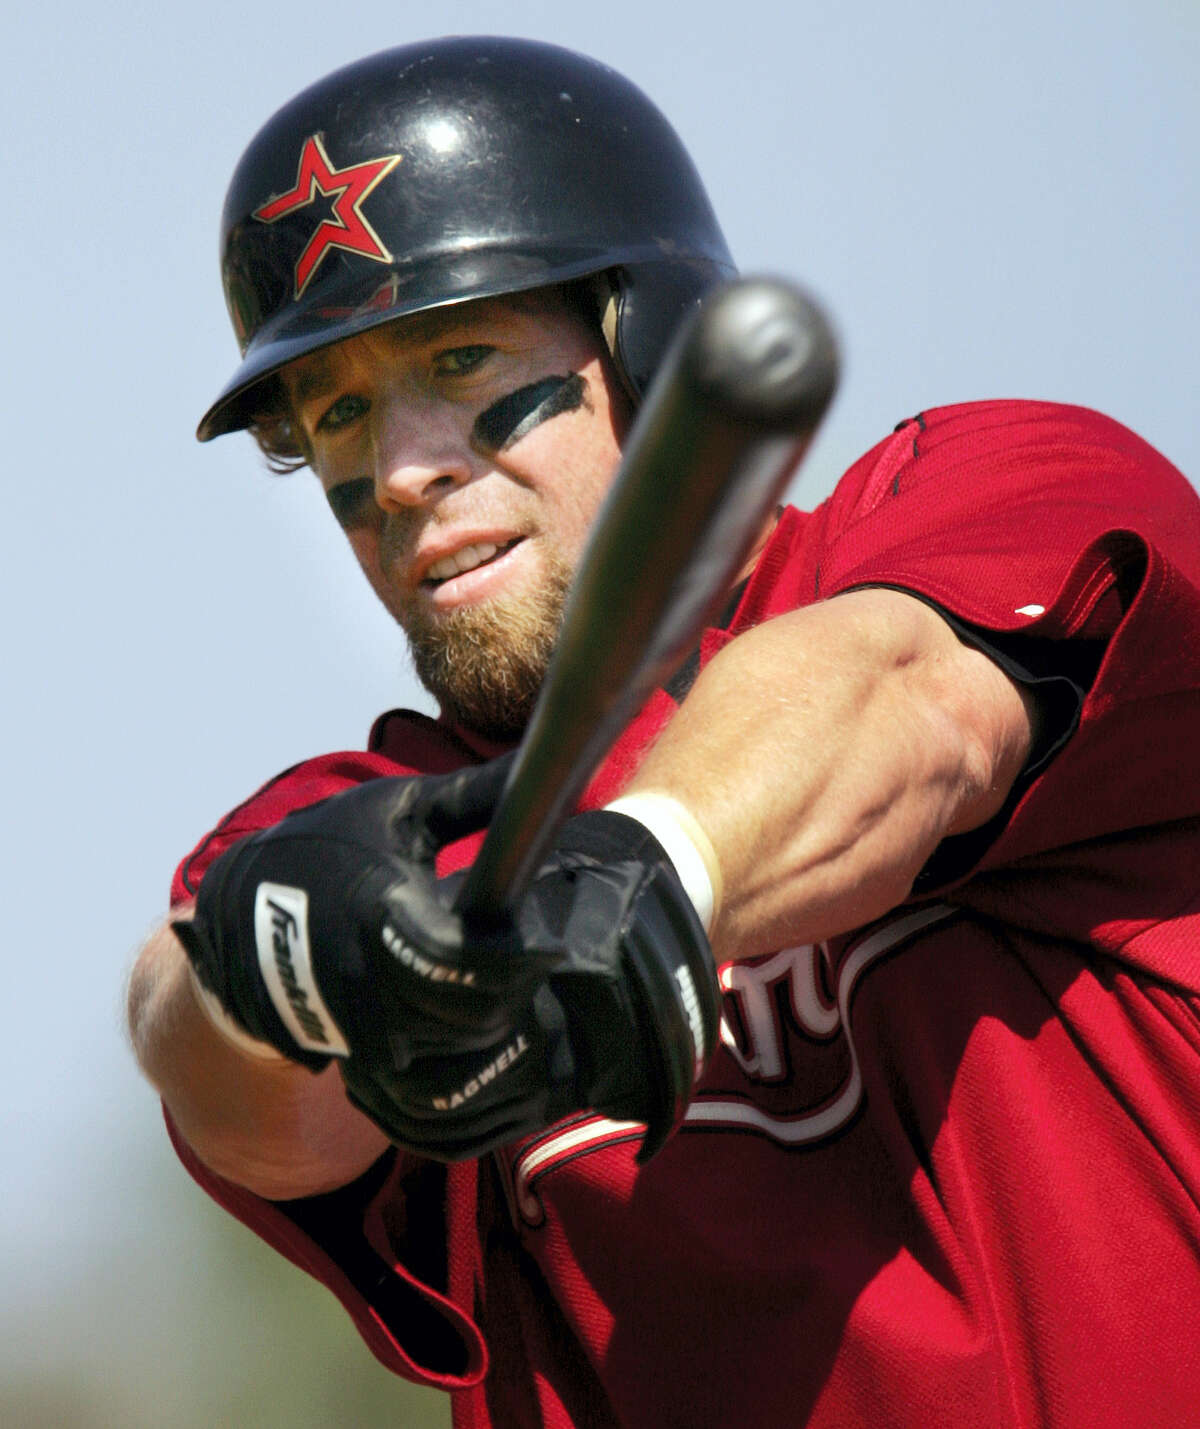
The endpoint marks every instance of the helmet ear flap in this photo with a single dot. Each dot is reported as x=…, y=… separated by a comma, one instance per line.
x=608, y=295
x=647, y=303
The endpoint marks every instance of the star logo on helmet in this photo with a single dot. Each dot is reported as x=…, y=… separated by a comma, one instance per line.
x=347, y=228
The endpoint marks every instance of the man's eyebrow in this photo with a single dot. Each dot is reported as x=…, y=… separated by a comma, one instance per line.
x=436, y=324
x=417, y=329
x=314, y=381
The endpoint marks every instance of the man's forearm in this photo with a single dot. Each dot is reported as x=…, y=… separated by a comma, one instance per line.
x=827, y=753
x=266, y=1124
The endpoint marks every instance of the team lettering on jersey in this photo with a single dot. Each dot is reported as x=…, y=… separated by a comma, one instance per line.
x=794, y=1000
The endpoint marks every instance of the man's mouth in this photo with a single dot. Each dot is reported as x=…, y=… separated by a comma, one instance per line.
x=469, y=558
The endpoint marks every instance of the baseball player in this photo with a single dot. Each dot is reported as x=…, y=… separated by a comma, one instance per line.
x=842, y=1064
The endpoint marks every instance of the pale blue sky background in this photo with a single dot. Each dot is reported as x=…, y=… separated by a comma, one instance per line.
x=994, y=199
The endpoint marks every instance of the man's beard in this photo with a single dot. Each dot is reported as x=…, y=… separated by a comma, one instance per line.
x=485, y=664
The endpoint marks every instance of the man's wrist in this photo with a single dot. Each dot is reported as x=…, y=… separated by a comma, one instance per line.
x=685, y=843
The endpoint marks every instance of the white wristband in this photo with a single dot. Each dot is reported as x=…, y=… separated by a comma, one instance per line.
x=686, y=844
x=235, y=1035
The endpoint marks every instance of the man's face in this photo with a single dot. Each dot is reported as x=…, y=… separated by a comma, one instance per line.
x=466, y=452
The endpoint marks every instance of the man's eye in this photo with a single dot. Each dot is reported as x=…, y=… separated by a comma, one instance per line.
x=344, y=411
x=456, y=361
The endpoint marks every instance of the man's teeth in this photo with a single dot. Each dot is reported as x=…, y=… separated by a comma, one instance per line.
x=465, y=560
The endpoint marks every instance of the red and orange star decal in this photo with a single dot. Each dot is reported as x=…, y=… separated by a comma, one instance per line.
x=347, y=228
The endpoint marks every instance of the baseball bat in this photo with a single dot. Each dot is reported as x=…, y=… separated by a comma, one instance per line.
x=723, y=426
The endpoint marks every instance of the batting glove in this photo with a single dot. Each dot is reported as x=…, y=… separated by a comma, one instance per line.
x=330, y=934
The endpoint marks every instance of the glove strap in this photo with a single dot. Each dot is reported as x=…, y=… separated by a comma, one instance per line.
x=685, y=843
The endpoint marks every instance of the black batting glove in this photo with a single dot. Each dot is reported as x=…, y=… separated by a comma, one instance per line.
x=622, y=1023
x=290, y=933
x=634, y=973
x=330, y=934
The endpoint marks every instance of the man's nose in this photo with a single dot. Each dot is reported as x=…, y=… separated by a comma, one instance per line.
x=421, y=453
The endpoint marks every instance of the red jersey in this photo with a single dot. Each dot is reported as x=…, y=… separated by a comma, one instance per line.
x=943, y=1170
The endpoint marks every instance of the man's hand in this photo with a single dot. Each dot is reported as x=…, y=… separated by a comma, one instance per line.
x=330, y=934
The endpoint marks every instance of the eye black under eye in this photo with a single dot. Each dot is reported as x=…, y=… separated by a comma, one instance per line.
x=353, y=502
x=506, y=421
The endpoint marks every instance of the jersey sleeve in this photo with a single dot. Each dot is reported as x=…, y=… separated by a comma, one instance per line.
x=381, y=1245
x=1015, y=516
x=1056, y=530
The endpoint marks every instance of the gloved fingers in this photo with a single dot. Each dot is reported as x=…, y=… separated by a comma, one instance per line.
x=450, y=1143
x=438, y=1086
x=447, y=968
x=410, y=815
x=457, y=1106
x=451, y=806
